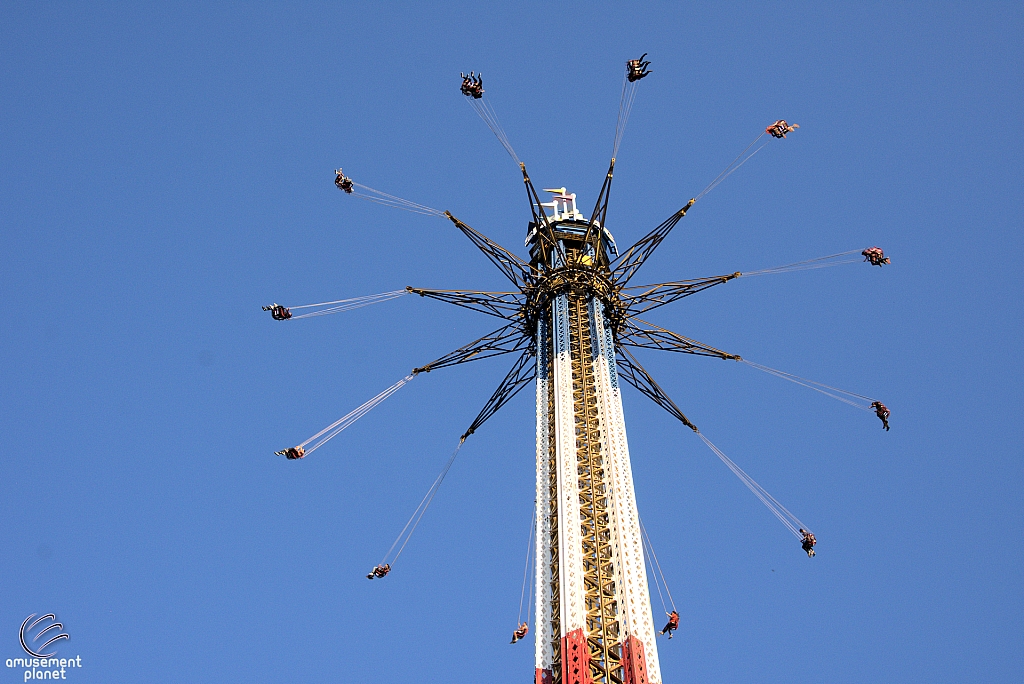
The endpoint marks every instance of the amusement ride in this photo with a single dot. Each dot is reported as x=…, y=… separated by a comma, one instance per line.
x=572, y=320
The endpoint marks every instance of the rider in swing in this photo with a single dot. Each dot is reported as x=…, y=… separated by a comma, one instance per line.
x=278, y=312
x=808, y=542
x=520, y=633
x=637, y=68
x=343, y=182
x=379, y=571
x=882, y=412
x=876, y=256
x=780, y=128
x=673, y=624
x=472, y=85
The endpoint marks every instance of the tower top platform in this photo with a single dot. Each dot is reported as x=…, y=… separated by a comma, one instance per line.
x=570, y=228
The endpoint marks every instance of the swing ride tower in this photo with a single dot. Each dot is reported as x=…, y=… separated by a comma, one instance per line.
x=593, y=612
x=571, y=321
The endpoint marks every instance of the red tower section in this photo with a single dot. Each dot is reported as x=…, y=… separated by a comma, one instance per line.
x=634, y=662
x=575, y=658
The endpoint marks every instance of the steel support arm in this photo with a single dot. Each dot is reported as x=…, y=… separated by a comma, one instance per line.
x=626, y=266
x=642, y=298
x=514, y=268
x=636, y=375
x=504, y=340
x=521, y=375
x=600, y=214
x=643, y=335
x=507, y=305
x=540, y=221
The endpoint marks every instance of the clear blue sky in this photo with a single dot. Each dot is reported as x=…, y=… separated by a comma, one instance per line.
x=166, y=170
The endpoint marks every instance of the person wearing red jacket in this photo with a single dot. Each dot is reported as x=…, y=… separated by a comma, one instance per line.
x=673, y=624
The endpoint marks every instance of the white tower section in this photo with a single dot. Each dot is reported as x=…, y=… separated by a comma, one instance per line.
x=594, y=621
x=636, y=618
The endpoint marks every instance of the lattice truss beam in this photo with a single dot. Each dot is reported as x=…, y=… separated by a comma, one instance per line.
x=514, y=268
x=630, y=261
x=602, y=625
x=642, y=298
x=636, y=375
x=504, y=340
x=521, y=374
x=507, y=305
x=641, y=334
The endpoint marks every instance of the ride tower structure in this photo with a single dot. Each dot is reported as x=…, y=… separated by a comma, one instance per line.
x=593, y=612
x=571, y=320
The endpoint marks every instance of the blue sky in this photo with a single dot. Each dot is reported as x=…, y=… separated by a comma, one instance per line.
x=167, y=169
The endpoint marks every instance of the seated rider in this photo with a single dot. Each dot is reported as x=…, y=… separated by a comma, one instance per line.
x=637, y=69
x=673, y=624
x=343, y=182
x=882, y=412
x=292, y=453
x=472, y=85
x=780, y=128
x=875, y=255
x=521, y=632
x=278, y=312
x=808, y=542
x=379, y=571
